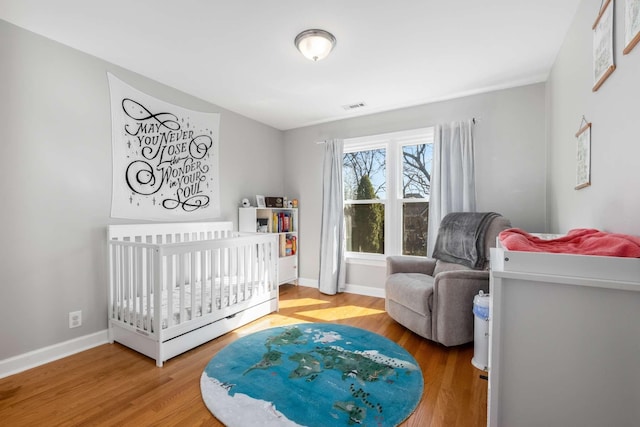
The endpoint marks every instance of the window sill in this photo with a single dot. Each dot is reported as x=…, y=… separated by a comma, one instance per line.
x=375, y=261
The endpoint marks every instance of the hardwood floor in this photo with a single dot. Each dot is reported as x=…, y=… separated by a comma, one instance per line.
x=112, y=385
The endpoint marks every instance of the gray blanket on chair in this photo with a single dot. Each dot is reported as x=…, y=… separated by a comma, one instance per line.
x=461, y=238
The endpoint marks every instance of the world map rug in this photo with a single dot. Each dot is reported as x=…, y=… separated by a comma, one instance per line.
x=312, y=374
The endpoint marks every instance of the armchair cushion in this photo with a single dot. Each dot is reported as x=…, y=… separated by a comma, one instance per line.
x=414, y=290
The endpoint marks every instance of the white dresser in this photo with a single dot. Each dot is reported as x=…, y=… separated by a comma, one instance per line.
x=564, y=340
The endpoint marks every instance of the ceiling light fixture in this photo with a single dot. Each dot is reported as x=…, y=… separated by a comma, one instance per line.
x=315, y=44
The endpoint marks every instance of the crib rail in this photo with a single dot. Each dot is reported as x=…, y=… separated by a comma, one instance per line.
x=170, y=232
x=164, y=289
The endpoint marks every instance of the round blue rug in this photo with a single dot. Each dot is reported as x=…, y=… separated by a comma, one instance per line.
x=312, y=374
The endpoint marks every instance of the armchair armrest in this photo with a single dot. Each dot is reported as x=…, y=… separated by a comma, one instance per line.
x=452, y=314
x=465, y=275
x=410, y=264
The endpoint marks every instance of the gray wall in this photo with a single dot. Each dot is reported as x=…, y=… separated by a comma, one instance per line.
x=510, y=159
x=55, y=183
x=611, y=203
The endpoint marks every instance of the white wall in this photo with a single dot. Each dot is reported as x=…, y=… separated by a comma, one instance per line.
x=510, y=159
x=611, y=203
x=55, y=183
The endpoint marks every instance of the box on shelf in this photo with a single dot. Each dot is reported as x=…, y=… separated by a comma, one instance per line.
x=274, y=202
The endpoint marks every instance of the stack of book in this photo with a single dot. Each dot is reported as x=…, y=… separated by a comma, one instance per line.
x=282, y=222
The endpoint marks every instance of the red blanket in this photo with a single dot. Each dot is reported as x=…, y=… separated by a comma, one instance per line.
x=583, y=241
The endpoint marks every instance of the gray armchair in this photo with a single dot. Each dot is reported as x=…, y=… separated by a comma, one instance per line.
x=433, y=297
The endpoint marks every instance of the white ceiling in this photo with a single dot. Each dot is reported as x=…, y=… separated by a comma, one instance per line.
x=239, y=54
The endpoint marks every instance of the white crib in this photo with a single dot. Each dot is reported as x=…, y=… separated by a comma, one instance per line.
x=175, y=286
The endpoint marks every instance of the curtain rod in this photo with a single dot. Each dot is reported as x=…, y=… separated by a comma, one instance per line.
x=473, y=119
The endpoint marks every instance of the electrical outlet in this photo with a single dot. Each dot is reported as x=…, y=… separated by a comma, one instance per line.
x=75, y=319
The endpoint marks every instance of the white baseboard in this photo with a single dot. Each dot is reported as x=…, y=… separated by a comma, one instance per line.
x=352, y=289
x=309, y=283
x=22, y=362
x=365, y=290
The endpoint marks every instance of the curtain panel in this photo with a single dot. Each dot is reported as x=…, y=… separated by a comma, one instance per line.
x=332, y=247
x=453, y=175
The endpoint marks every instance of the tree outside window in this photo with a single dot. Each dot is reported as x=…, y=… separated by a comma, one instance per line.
x=364, y=175
x=416, y=188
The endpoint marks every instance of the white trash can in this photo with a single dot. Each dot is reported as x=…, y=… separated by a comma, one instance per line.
x=481, y=331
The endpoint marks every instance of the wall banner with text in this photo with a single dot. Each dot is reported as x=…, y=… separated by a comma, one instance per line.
x=165, y=158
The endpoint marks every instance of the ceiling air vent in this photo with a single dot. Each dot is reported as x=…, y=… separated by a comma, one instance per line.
x=355, y=106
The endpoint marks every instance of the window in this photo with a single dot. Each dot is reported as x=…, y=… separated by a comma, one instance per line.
x=386, y=193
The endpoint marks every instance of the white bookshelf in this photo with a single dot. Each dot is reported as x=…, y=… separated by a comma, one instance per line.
x=282, y=222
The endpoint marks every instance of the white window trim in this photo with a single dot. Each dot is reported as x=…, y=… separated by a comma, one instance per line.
x=392, y=143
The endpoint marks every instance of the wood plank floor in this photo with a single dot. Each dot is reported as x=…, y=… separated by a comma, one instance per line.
x=112, y=385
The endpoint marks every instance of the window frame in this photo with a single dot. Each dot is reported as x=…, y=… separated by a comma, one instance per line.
x=393, y=144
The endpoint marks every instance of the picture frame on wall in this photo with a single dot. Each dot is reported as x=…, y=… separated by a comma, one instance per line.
x=260, y=201
x=583, y=164
x=631, y=25
x=603, y=64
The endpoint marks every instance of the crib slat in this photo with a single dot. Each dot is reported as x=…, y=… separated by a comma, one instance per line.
x=239, y=274
x=243, y=276
x=213, y=271
x=180, y=283
x=193, y=283
x=113, y=292
x=256, y=265
x=127, y=289
x=254, y=268
x=233, y=277
x=148, y=289
x=136, y=285
x=158, y=278
x=217, y=261
x=261, y=259
x=185, y=286
x=121, y=284
x=139, y=269
x=204, y=299
x=224, y=282
x=144, y=290
x=222, y=275
x=232, y=286
x=245, y=271
x=261, y=249
x=170, y=278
